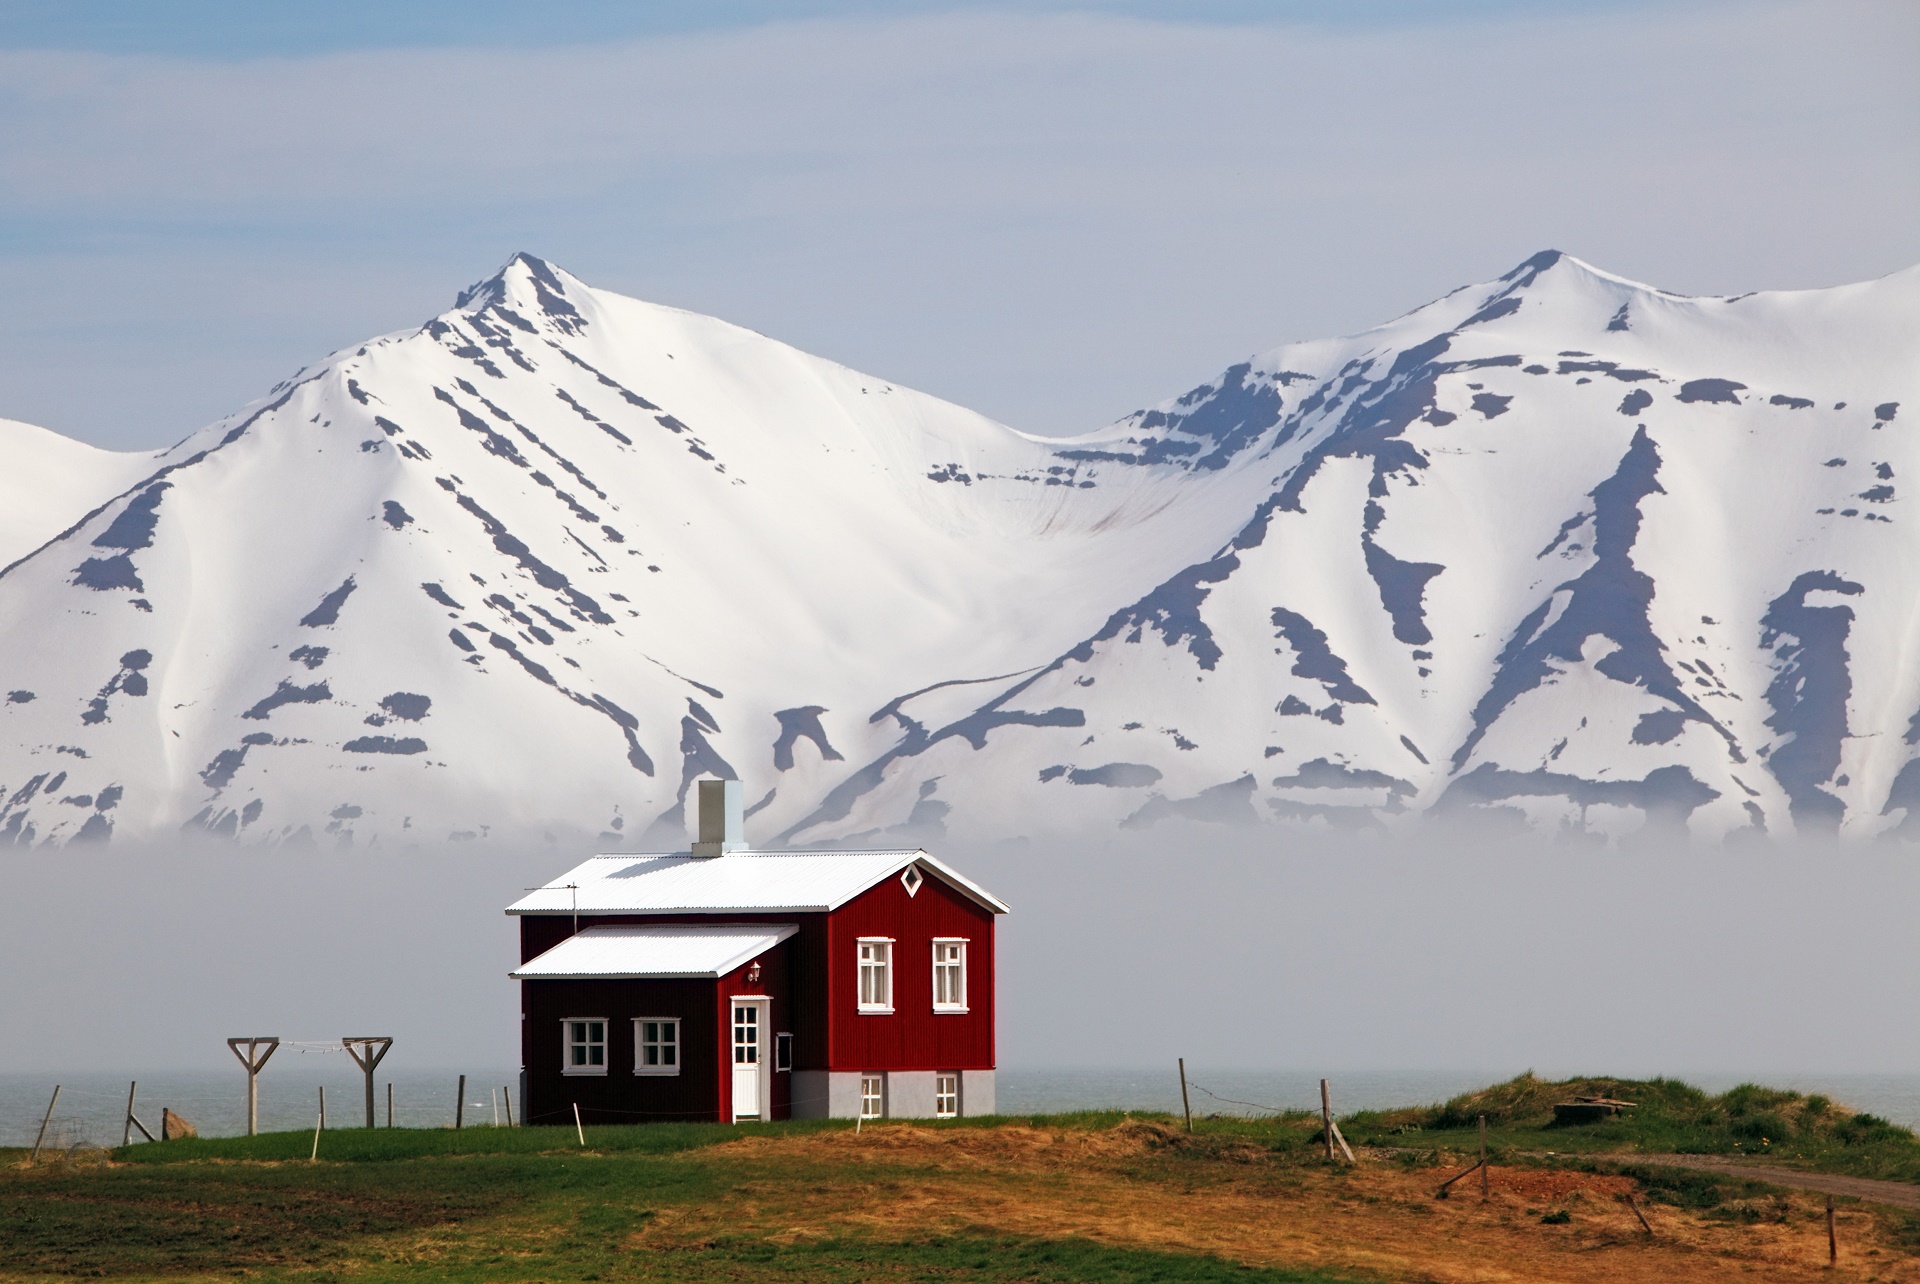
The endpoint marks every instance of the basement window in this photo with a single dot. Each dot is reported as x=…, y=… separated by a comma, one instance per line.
x=656, y=1045
x=946, y=1096
x=876, y=974
x=586, y=1046
x=873, y=1096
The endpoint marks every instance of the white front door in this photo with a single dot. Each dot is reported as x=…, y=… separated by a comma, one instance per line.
x=749, y=1057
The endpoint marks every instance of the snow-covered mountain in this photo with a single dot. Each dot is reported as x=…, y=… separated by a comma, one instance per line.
x=1558, y=549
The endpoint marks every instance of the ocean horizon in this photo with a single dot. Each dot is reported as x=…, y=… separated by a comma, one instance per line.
x=92, y=1105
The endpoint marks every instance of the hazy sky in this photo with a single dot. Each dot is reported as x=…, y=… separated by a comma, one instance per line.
x=1054, y=213
x=1235, y=950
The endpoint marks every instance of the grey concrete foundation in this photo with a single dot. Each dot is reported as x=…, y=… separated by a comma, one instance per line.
x=907, y=1094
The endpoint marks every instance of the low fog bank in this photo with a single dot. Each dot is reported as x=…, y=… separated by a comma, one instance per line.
x=1235, y=950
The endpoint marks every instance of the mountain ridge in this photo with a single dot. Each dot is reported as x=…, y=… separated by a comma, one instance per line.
x=525, y=571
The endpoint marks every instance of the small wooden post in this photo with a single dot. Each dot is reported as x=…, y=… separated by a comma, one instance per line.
x=1632, y=1203
x=1185, y=1105
x=389, y=1103
x=126, y=1126
x=44, y=1121
x=254, y=1060
x=460, y=1104
x=583, y=1132
x=1484, y=1192
x=1326, y=1115
x=366, y=1051
x=494, y=1096
x=318, y=1124
x=1447, y=1185
x=1833, y=1240
x=323, y=1105
x=506, y=1095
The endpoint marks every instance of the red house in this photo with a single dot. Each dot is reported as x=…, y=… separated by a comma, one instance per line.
x=725, y=984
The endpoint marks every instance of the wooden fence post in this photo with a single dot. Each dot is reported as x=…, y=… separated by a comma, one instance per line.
x=132, y=1121
x=583, y=1132
x=44, y=1121
x=460, y=1105
x=507, y=1093
x=389, y=1103
x=1833, y=1240
x=1326, y=1115
x=1484, y=1191
x=323, y=1105
x=1186, y=1106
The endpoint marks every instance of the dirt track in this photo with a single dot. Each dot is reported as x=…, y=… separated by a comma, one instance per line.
x=1897, y=1194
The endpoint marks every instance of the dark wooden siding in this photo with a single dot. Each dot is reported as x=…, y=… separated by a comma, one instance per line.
x=913, y=1036
x=702, y=1089
x=805, y=962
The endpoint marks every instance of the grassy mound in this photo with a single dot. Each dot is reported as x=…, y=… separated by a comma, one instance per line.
x=1669, y=1116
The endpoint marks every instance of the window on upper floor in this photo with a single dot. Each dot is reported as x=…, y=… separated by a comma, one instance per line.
x=586, y=1045
x=876, y=974
x=656, y=1045
x=949, y=975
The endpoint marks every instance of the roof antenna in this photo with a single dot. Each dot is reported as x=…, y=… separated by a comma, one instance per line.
x=571, y=887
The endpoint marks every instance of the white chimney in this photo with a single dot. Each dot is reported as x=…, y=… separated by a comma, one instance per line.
x=722, y=828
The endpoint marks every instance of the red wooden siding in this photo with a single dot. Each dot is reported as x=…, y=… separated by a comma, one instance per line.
x=913, y=1036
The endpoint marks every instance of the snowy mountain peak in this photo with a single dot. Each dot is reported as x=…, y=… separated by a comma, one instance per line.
x=528, y=287
x=1557, y=549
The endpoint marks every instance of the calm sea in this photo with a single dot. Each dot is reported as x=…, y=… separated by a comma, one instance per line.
x=91, y=1106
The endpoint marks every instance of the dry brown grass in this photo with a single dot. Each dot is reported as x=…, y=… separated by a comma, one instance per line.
x=1144, y=1185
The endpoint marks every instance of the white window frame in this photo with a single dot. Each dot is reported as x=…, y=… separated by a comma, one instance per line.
x=878, y=1097
x=863, y=966
x=640, y=1045
x=567, y=1045
x=782, y=1051
x=961, y=966
x=951, y=1098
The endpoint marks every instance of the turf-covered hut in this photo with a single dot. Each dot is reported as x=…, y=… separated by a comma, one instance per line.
x=724, y=983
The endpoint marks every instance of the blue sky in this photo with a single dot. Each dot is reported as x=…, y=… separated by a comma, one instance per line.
x=247, y=28
x=1054, y=213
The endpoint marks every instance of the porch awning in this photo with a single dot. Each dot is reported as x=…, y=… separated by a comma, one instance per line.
x=671, y=950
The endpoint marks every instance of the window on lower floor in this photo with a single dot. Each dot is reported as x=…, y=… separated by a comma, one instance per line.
x=656, y=1045
x=586, y=1046
x=873, y=1099
x=783, y=1051
x=946, y=1096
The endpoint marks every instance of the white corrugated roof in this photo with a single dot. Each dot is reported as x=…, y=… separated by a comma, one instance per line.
x=668, y=950
x=744, y=882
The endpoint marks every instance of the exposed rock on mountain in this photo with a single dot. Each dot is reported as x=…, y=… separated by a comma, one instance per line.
x=1557, y=550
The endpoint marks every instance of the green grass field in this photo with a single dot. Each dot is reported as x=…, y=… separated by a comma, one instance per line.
x=491, y=1204
x=524, y=1204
